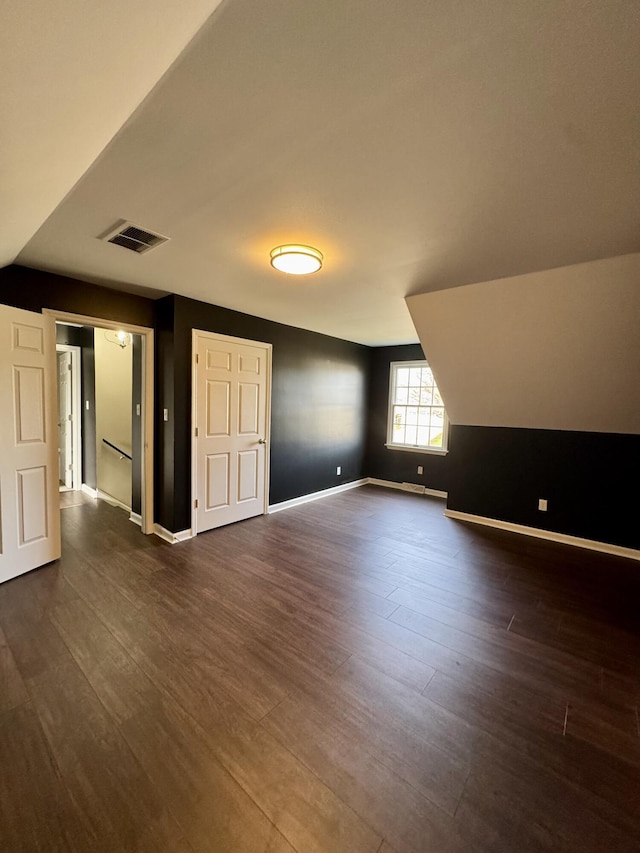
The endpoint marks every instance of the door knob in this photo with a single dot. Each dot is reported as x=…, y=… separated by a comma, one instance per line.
x=262, y=441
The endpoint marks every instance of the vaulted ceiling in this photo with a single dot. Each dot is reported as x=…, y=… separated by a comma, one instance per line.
x=420, y=145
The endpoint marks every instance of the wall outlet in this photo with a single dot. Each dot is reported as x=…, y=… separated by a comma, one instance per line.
x=542, y=504
x=420, y=469
x=339, y=469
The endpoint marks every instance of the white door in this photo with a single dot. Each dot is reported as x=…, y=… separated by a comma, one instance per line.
x=231, y=409
x=65, y=416
x=29, y=503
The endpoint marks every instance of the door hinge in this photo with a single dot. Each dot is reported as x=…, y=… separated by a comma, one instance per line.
x=68, y=367
x=197, y=358
x=195, y=504
x=70, y=468
x=70, y=417
x=196, y=432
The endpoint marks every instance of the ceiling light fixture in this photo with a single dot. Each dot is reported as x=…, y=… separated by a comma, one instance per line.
x=296, y=260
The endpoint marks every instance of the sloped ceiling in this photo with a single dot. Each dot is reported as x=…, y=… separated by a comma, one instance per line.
x=71, y=73
x=550, y=350
x=420, y=145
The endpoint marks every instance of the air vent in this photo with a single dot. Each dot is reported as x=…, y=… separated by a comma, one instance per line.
x=414, y=487
x=134, y=238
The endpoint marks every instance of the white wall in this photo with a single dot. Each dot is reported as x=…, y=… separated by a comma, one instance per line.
x=113, y=415
x=558, y=349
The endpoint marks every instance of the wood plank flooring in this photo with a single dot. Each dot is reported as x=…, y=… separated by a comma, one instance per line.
x=358, y=674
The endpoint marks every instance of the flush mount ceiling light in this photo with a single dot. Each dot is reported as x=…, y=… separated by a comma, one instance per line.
x=296, y=260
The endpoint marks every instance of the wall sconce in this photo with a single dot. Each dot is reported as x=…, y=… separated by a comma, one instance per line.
x=122, y=339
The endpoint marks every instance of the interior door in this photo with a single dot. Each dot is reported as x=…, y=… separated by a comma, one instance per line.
x=65, y=417
x=29, y=503
x=231, y=405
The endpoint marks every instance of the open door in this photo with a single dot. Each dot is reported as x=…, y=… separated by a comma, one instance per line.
x=65, y=420
x=29, y=502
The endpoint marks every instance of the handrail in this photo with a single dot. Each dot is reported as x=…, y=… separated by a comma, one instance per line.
x=123, y=454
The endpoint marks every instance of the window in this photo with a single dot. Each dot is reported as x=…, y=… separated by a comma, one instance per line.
x=417, y=419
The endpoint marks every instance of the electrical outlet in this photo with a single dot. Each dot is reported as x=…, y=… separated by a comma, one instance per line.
x=542, y=504
x=420, y=469
x=339, y=470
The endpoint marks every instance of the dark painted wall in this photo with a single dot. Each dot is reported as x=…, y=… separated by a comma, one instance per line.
x=68, y=335
x=399, y=466
x=590, y=480
x=34, y=290
x=318, y=404
x=89, y=461
x=165, y=461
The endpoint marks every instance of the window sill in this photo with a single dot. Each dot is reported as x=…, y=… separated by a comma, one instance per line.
x=415, y=449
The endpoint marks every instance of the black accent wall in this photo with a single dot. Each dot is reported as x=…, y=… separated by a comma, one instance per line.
x=318, y=404
x=589, y=479
x=399, y=466
x=329, y=408
x=34, y=290
x=89, y=461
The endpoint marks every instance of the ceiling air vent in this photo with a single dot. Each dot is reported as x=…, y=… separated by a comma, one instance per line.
x=134, y=238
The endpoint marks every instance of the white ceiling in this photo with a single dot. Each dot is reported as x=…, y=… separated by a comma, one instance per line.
x=420, y=145
x=71, y=73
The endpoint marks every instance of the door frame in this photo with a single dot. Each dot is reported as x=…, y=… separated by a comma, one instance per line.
x=76, y=406
x=147, y=336
x=215, y=336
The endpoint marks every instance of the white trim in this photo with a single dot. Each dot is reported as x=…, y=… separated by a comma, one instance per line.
x=414, y=448
x=105, y=496
x=136, y=518
x=389, y=444
x=172, y=538
x=550, y=535
x=390, y=484
x=202, y=333
x=314, y=496
x=93, y=493
x=147, y=335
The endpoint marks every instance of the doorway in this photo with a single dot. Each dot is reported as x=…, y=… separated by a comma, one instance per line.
x=69, y=417
x=116, y=367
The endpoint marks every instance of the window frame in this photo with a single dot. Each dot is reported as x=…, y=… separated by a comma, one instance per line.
x=413, y=448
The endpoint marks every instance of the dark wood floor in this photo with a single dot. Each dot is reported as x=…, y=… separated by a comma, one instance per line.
x=359, y=674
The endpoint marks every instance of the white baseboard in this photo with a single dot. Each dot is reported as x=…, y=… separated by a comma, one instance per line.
x=172, y=538
x=136, y=518
x=406, y=487
x=105, y=496
x=314, y=496
x=93, y=493
x=550, y=535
